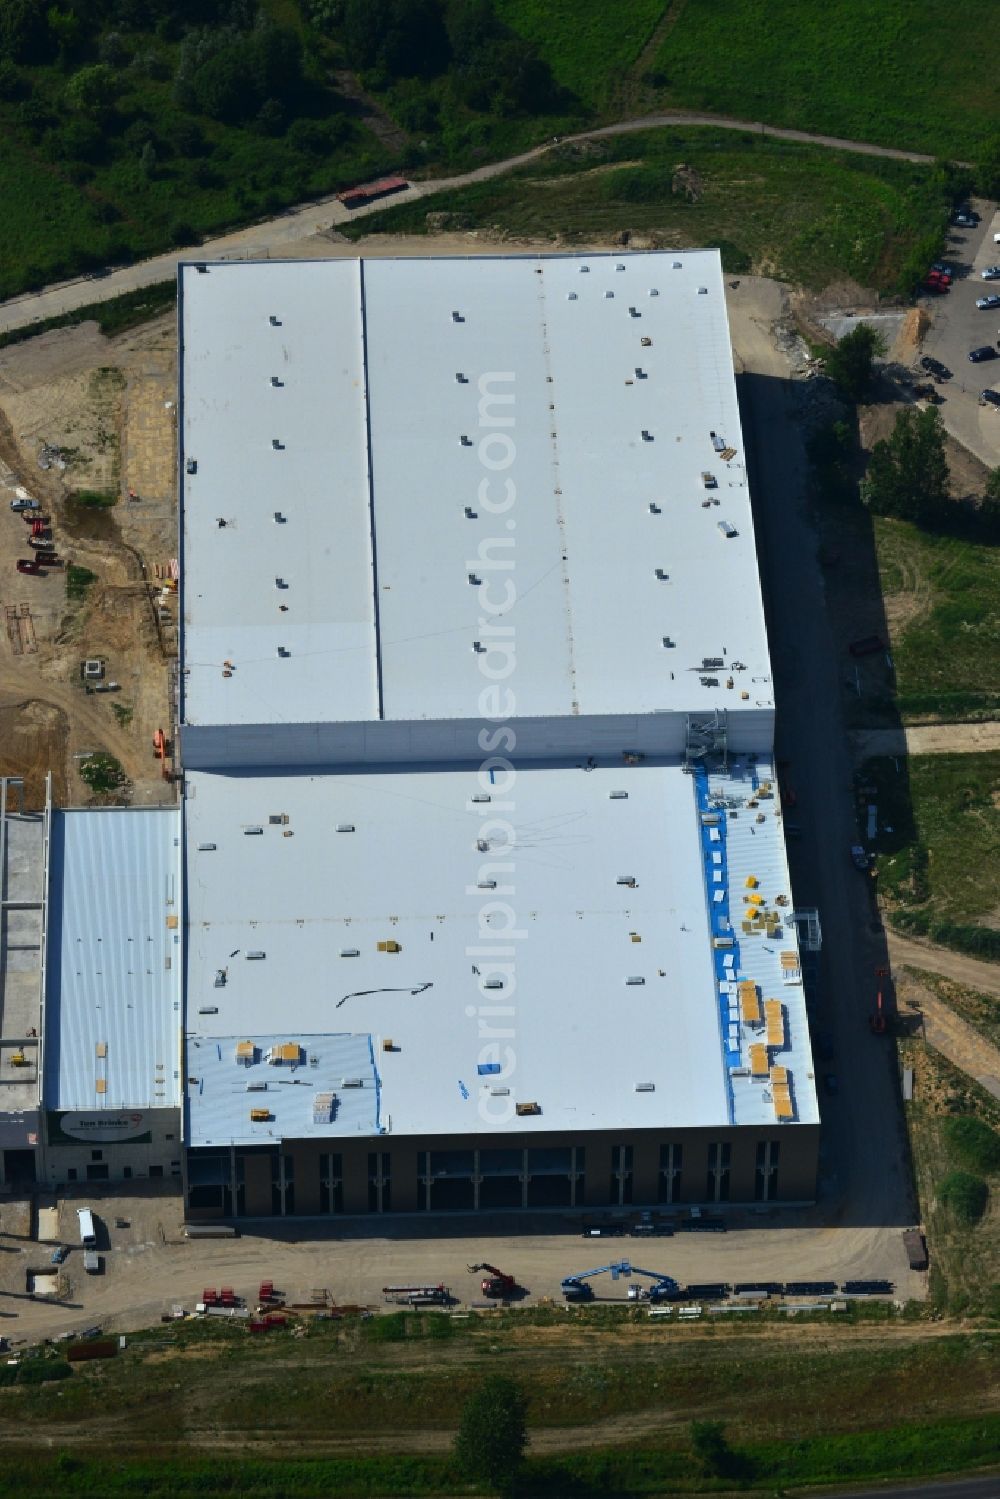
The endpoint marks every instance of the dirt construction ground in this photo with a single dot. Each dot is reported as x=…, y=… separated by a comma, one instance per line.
x=108, y=408
x=149, y=1267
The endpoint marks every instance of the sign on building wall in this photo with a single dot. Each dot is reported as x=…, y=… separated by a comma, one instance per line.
x=99, y=1127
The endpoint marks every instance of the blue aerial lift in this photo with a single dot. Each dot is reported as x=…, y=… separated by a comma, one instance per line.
x=576, y=1287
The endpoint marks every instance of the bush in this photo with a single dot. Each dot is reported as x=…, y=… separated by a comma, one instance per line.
x=964, y=1196
x=95, y=499
x=974, y=1143
x=102, y=773
x=43, y=1371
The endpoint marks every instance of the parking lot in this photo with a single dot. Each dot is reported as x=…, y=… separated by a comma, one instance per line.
x=958, y=326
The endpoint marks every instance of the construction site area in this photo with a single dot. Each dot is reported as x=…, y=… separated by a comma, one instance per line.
x=88, y=495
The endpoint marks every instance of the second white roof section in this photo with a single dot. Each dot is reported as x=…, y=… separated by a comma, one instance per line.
x=558, y=468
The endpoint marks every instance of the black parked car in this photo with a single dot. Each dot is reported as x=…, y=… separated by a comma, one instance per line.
x=935, y=367
x=986, y=352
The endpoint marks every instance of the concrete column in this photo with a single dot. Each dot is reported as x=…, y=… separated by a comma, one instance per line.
x=598, y=1173
x=645, y=1171
x=405, y=1186
x=257, y=1186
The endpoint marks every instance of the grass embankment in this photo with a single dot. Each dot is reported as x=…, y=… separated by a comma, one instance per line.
x=799, y=212
x=952, y=1123
x=938, y=832
x=981, y=1011
x=801, y=1405
x=116, y=315
x=588, y=44
x=946, y=648
x=889, y=72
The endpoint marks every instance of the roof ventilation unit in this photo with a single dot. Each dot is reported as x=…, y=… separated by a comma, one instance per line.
x=480, y=796
x=626, y=879
x=206, y=848
x=475, y=579
x=255, y=957
x=465, y=440
x=527, y=1108
x=662, y=575
x=461, y=379
x=571, y=296
x=654, y=508
x=350, y=952
x=645, y=1087
x=609, y=295
x=282, y=651
x=352, y=1082
x=279, y=519
x=646, y=436
x=191, y=466
x=276, y=382
x=634, y=979
x=457, y=317
x=345, y=827
x=220, y=978
x=499, y=1092
x=486, y=885
x=274, y=321
x=478, y=647
x=653, y=292
x=280, y=583
x=493, y=984
x=201, y=268
x=677, y=265
x=618, y=796
x=634, y=312
x=585, y=270
x=668, y=643
x=252, y=832
x=703, y=291
x=620, y=266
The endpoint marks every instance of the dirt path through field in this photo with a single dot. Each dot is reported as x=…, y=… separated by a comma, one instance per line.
x=301, y=223
x=950, y=965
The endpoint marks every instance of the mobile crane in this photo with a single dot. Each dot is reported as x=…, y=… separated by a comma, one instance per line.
x=664, y=1287
x=496, y=1284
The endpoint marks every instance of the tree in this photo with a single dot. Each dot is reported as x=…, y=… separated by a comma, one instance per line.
x=965, y=1196
x=93, y=91
x=908, y=472
x=492, y=1433
x=989, y=507
x=717, y=1458
x=849, y=363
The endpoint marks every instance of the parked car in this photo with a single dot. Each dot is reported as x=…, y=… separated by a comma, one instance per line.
x=991, y=273
x=41, y=543
x=987, y=303
x=859, y=857
x=944, y=270
x=965, y=218
x=926, y=392
x=59, y=1254
x=989, y=398
x=986, y=352
x=29, y=565
x=18, y=505
x=33, y=516
x=48, y=559
x=936, y=285
x=935, y=367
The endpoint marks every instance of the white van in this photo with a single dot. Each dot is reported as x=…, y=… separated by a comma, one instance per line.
x=88, y=1237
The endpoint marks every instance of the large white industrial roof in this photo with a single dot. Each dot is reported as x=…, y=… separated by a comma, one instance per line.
x=541, y=424
x=347, y=906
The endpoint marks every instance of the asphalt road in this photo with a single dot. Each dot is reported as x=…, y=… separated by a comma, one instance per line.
x=987, y=1487
x=863, y=1178
x=957, y=326
x=277, y=235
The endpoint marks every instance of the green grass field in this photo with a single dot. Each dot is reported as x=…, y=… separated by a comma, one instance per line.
x=938, y=869
x=790, y=210
x=965, y=1257
x=861, y=1397
x=946, y=648
x=588, y=44
x=898, y=72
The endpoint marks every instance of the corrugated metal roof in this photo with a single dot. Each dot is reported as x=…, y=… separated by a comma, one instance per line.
x=113, y=969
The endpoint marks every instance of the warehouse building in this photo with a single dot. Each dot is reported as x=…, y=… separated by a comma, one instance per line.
x=486, y=895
